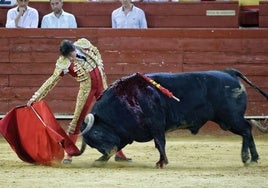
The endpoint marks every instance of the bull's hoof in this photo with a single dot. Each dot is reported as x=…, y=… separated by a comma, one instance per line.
x=161, y=164
x=99, y=163
x=122, y=159
x=103, y=158
x=251, y=163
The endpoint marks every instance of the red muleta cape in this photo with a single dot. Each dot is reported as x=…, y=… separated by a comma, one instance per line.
x=35, y=135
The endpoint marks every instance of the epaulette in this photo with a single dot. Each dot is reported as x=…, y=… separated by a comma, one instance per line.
x=63, y=63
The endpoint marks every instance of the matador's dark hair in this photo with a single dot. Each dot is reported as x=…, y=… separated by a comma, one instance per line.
x=66, y=47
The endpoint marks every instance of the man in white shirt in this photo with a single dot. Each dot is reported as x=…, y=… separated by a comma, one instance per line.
x=128, y=16
x=58, y=18
x=22, y=16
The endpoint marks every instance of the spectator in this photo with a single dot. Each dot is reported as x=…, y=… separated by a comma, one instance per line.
x=158, y=0
x=128, y=16
x=22, y=16
x=58, y=18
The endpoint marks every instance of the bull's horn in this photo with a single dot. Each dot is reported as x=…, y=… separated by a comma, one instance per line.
x=259, y=126
x=89, y=120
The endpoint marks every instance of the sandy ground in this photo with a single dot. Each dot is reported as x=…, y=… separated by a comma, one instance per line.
x=194, y=161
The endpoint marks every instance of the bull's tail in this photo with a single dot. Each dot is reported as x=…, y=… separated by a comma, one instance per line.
x=260, y=126
x=235, y=72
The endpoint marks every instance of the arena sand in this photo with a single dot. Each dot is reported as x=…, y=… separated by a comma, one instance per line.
x=201, y=161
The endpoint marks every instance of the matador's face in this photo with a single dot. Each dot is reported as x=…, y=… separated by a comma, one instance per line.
x=72, y=55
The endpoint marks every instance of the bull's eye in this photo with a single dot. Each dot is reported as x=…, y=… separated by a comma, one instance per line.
x=95, y=133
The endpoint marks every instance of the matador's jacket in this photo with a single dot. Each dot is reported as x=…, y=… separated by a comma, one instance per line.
x=87, y=69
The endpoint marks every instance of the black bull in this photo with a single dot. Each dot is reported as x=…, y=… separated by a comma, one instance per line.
x=132, y=109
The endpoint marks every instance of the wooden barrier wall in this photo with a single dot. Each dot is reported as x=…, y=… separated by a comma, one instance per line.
x=28, y=58
x=158, y=14
x=263, y=14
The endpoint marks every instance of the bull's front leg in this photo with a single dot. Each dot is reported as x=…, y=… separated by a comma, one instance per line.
x=101, y=161
x=104, y=158
x=161, y=148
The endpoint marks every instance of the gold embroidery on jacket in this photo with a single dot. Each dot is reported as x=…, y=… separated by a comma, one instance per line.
x=81, y=71
x=84, y=89
x=63, y=63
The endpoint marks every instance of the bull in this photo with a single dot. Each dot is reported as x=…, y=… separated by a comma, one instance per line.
x=133, y=109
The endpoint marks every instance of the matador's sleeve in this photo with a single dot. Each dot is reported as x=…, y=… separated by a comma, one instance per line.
x=61, y=67
x=103, y=77
x=48, y=85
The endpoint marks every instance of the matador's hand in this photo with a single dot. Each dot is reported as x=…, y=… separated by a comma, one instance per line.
x=33, y=99
x=30, y=102
x=71, y=129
